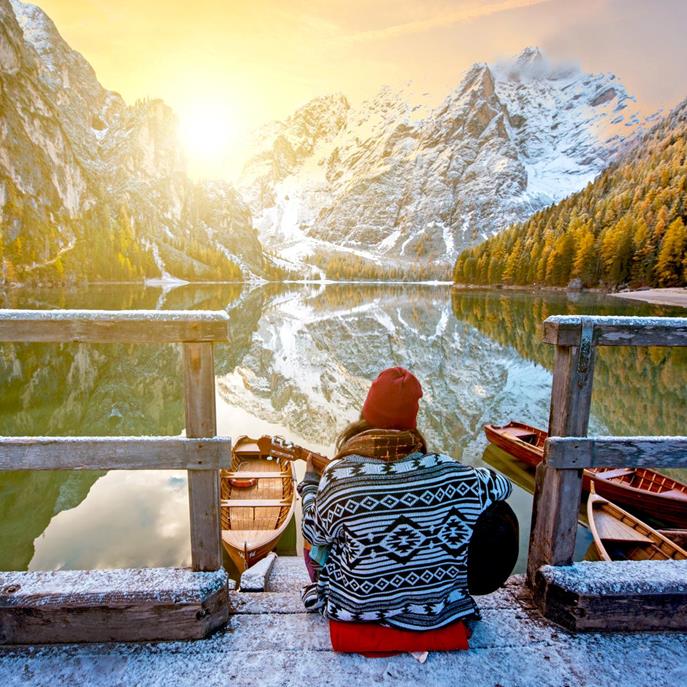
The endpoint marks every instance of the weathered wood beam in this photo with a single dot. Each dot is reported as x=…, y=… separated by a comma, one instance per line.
x=111, y=326
x=580, y=452
x=114, y=453
x=52, y=607
x=558, y=493
x=565, y=330
x=203, y=487
x=614, y=596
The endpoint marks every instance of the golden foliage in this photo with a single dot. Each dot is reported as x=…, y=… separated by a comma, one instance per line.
x=625, y=228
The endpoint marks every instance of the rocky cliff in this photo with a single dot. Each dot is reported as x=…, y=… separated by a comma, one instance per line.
x=93, y=188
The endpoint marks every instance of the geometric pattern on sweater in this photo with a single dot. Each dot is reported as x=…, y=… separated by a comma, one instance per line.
x=398, y=535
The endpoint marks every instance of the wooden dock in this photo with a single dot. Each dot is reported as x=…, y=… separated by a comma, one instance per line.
x=268, y=627
x=270, y=641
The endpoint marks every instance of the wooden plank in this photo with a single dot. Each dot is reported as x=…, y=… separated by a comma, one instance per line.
x=255, y=475
x=254, y=579
x=203, y=487
x=114, y=453
x=558, y=493
x=677, y=536
x=565, y=330
x=254, y=503
x=611, y=596
x=111, y=605
x=578, y=452
x=108, y=326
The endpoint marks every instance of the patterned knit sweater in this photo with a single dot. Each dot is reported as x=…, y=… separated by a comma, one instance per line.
x=398, y=535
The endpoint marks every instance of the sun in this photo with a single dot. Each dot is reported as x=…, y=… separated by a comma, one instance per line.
x=206, y=133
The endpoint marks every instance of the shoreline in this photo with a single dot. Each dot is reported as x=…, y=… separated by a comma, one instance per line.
x=674, y=295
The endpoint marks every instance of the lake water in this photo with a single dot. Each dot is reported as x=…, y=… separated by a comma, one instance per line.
x=299, y=364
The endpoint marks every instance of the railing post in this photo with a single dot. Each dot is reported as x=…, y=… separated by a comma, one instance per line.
x=558, y=493
x=203, y=485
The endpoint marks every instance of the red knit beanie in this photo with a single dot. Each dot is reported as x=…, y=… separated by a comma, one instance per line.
x=392, y=401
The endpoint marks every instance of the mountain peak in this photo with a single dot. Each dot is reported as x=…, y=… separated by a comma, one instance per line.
x=478, y=78
x=529, y=65
x=39, y=30
x=529, y=56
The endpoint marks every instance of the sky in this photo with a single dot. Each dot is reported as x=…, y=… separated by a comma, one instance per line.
x=227, y=67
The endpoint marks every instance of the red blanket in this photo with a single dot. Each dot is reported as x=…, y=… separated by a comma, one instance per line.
x=374, y=640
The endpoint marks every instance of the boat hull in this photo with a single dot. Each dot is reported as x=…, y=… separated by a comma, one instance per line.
x=245, y=559
x=619, y=535
x=527, y=453
x=250, y=530
x=668, y=509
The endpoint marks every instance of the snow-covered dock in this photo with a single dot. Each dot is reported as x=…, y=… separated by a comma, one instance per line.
x=270, y=641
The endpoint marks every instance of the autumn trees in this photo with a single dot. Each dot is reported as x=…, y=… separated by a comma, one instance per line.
x=625, y=228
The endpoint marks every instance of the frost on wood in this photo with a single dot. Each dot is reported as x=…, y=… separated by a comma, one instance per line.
x=99, y=315
x=619, y=321
x=255, y=578
x=92, y=587
x=115, y=440
x=619, y=577
x=265, y=645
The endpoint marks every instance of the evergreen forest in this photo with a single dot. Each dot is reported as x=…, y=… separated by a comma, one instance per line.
x=628, y=228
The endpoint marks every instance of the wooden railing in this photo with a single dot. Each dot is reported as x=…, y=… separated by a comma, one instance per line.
x=201, y=452
x=558, y=486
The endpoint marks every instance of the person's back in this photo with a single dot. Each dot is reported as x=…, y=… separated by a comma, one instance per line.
x=395, y=520
x=399, y=534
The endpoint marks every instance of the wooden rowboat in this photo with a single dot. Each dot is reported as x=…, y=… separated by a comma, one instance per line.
x=645, y=490
x=257, y=502
x=522, y=441
x=620, y=536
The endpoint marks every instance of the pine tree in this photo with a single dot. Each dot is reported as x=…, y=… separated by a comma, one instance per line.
x=671, y=257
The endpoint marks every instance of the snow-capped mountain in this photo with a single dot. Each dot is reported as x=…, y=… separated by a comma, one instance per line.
x=395, y=180
x=80, y=168
x=391, y=183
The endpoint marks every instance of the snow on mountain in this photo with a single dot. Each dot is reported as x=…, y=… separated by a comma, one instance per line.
x=393, y=181
x=396, y=181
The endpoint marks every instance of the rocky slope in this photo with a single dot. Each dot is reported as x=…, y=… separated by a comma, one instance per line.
x=626, y=228
x=93, y=188
x=394, y=181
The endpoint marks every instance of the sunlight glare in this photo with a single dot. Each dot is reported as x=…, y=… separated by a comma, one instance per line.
x=206, y=133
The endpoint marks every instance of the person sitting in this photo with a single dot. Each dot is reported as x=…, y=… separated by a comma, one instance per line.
x=390, y=524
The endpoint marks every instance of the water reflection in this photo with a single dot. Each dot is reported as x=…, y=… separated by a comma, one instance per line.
x=129, y=519
x=299, y=363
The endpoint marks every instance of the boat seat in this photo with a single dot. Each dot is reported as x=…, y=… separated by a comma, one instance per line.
x=254, y=503
x=612, y=529
x=254, y=475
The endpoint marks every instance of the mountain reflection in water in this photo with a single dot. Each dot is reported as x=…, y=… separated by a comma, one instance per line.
x=299, y=363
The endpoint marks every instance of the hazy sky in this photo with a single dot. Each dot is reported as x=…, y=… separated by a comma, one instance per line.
x=247, y=62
